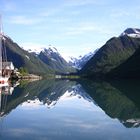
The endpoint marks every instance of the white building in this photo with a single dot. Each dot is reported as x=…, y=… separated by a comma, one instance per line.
x=7, y=68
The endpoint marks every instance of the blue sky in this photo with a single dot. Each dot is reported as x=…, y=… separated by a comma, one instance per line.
x=74, y=27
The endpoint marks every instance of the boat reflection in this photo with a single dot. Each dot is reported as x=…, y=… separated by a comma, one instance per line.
x=5, y=91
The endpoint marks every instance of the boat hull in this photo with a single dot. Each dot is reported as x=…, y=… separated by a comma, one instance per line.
x=4, y=81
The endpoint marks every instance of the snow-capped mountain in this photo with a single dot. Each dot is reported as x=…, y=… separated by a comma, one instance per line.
x=79, y=92
x=132, y=32
x=37, y=48
x=22, y=58
x=50, y=56
x=53, y=58
x=52, y=100
x=51, y=53
x=74, y=92
x=35, y=51
x=81, y=60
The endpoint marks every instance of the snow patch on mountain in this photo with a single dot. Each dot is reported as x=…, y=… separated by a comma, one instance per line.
x=132, y=32
x=37, y=48
x=50, y=51
x=27, y=57
x=33, y=47
x=32, y=104
x=76, y=92
x=81, y=60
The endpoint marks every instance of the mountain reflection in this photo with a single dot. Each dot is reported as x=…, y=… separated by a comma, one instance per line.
x=119, y=99
x=47, y=92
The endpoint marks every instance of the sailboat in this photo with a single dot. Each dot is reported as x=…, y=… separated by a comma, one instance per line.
x=3, y=77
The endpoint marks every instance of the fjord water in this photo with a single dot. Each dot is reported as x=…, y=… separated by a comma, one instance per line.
x=72, y=110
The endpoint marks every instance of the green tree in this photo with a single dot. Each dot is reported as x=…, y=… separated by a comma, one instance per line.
x=23, y=71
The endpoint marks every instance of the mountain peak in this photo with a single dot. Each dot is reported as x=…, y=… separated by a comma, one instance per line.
x=36, y=49
x=52, y=50
x=132, y=32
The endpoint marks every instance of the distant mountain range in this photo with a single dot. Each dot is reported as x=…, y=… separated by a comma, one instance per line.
x=78, y=63
x=53, y=58
x=22, y=58
x=119, y=57
x=47, y=61
x=115, y=52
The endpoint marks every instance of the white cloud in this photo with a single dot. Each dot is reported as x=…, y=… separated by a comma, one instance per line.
x=23, y=20
x=84, y=28
x=20, y=132
x=119, y=13
x=59, y=20
x=49, y=12
x=124, y=13
x=82, y=2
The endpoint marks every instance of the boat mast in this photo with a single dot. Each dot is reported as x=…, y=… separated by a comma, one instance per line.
x=0, y=100
x=1, y=37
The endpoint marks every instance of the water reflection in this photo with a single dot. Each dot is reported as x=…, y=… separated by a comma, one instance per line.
x=117, y=100
x=72, y=110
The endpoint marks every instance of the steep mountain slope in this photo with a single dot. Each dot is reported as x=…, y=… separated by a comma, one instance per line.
x=116, y=51
x=128, y=69
x=53, y=58
x=22, y=58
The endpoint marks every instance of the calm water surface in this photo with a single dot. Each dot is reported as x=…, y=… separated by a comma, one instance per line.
x=70, y=110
